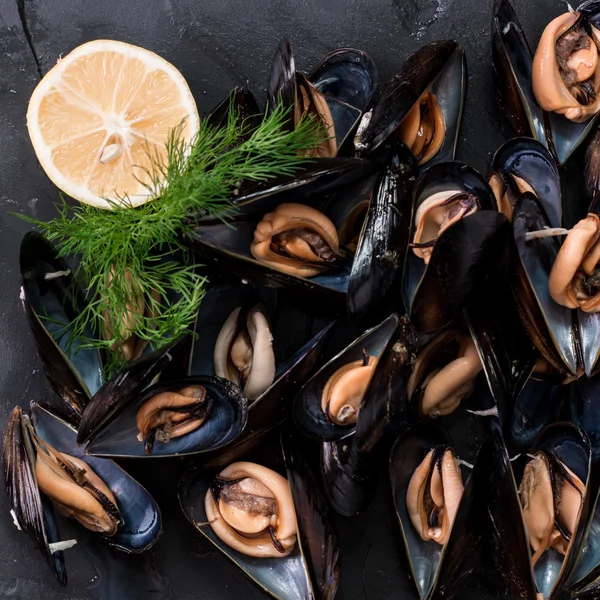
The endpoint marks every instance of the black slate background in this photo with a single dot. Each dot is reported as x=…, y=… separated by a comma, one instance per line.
x=216, y=44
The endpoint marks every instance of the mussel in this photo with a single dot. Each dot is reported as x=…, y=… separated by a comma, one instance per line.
x=525, y=165
x=306, y=97
x=52, y=302
x=44, y=467
x=244, y=351
x=298, y=247
x=444, y=374
x=276, y=528
x=250, y=508
x=421, y=106
x=350, y=451
x=549, y=282
x=551, y=96
x=545, y=519
x=437, y=503
x=456, y=235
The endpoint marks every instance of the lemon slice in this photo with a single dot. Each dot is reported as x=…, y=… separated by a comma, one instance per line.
x=100, y=119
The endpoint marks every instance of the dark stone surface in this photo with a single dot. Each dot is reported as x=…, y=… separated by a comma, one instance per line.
x=216, y=44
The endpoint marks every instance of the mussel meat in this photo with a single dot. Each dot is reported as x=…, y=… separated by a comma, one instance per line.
x=423, y=129
x=552, y=497
x=298, y=240
x=434, y=494
x=565, y=72
x=244, y=351
x=311, y=103
x=345, y=389
x=435, y=214
x=251, y=509
x=75, y=489
x=171, y=414
x=575, y=278
x=507, y=189
x=136, y=308
x=444, y=374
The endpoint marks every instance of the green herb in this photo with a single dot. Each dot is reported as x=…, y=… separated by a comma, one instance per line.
x=126, y=259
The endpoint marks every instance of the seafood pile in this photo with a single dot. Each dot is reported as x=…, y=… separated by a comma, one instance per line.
x=385, y=305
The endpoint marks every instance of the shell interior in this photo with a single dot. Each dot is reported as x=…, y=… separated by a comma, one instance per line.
x=141, y=515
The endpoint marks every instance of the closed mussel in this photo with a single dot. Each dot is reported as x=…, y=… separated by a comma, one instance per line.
x=45, y=470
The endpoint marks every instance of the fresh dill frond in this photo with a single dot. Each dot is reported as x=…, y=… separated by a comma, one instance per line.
x=134, y=263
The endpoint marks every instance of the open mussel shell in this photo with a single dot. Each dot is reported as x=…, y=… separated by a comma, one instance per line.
x=510, y=543
x=512, y=60
x=115, y=395
x=285, y=85
x=530, y=160
x=32, y=512
x=440, y=69
x=225, y=421
x=311, y=571
x=308, y=412
x=438, y=570
x=227, y=246
x=142, y=521
x=350, y=465
x=52, y=301
x=513, y=64
x=435, y=293
x=549, y=324
x=348, y=75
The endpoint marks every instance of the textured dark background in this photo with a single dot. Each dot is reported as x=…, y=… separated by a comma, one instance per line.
x=216, y=44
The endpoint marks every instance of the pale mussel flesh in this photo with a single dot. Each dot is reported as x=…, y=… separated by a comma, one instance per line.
x=421, y=106
x=444, y=374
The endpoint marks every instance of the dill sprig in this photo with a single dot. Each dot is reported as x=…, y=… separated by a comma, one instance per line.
x=133, y=281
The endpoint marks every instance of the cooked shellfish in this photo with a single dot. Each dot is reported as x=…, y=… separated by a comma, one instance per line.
x=250, y=508
x=575, y=277
x=436, y=214
x=434, y=494
x=244, y=351
x=565, y=73
x=171, y=414
x=136, y=307
x=551, y=496
x=444, y=373
x=423, y=129
x=298, y=240
x=75, y=489
x=345, y=389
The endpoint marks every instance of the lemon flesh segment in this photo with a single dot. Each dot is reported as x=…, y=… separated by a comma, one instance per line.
x=100, y=119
